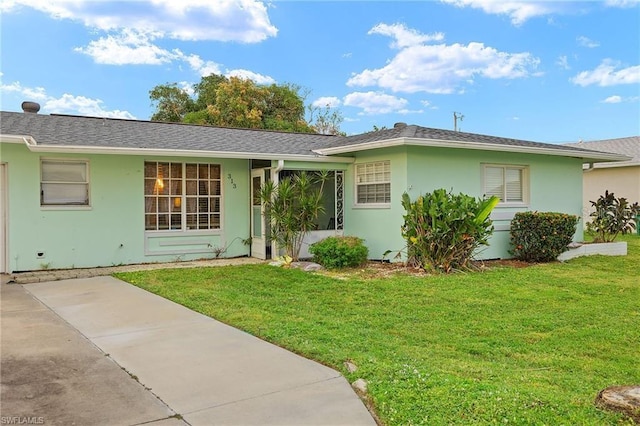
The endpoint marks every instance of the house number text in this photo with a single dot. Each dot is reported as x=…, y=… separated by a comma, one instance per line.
x=231, y=181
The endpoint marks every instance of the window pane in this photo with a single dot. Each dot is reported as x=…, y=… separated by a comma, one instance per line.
x=192, y=171
x=192, y=187
x=151, y=204
x=203, y=171
x=64, y=193
x=215, y=188
x=64, y=171
x=176, y=187
x=203, y=188
x=150, y=222
x=514, y=184
x=149, y=185
x=493, y=182
x=215, y=172
x=176, y=170
x=150, y=170
x=163, y=204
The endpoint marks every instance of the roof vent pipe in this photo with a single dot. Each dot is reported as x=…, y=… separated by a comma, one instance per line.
x=32, y=107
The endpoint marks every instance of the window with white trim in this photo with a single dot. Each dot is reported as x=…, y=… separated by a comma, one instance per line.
x=506, y=182
x=373, y=183
x=182, y=196
x=64, y=182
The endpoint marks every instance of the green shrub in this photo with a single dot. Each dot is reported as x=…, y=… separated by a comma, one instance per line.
x=339, y=252
x=443, y=230
x=541, y=236
x=612, y=216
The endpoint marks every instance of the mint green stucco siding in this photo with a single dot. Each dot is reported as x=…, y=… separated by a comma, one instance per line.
x=110, y=231
x=378, y=226
x=553, y=184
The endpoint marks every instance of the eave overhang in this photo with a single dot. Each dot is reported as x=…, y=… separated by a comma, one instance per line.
x=33, y=146
x=587, y=156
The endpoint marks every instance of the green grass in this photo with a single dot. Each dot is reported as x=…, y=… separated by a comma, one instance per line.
x=510, y=346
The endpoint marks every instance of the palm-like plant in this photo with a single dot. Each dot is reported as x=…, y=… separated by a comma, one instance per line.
x=292, y=206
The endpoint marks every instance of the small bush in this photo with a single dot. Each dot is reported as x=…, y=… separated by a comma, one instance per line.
x=339, y=252
x=541, y=236
x=612, y=216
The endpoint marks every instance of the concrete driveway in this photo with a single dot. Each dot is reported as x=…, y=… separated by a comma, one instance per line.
x=100, y=351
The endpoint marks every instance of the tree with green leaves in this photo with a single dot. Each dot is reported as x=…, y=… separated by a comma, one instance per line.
x=235, y=102
x=171, y=102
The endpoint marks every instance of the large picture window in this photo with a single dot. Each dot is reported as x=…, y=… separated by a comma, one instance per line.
x=506, y=182
x=64, y=183
x=373, y=183
x=182, y=196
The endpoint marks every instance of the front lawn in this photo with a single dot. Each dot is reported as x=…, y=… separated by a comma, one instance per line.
x=509, y=345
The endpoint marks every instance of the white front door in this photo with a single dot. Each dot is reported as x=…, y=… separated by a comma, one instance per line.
x=258, y=225
x=3, y=219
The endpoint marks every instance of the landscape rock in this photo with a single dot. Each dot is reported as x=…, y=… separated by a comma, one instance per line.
x=351, y=367
x=623, y=399
x=307, y=266
x=360, y=386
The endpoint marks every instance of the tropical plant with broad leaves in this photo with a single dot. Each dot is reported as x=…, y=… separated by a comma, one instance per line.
x=443, y=230
x=612, y=216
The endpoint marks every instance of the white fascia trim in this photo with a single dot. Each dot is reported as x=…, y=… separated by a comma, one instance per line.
x=471, y=145
x=612, y=165
x=184, y=153
x=25, y=139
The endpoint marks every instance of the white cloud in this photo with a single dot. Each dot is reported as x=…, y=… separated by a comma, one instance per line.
x=518, y=11
x=84, y=106
x=66, y=104
x=128, y=47
x=608, y=74
x=375, y=102
x=203, y=68
x=562, y=62
x=326, y=101
x=187, y=87
x=587, y=42
x=621, y=3
x=243, y=21
x=442, y=68
x=404, y=37
x=250, y=75
x=616, y=99
x=613, y=100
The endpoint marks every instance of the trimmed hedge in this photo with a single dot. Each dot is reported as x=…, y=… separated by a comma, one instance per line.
x=541, y=236
x=339, y=252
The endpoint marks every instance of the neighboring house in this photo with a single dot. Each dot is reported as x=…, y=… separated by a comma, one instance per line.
x=84, y=191
x=622, y=178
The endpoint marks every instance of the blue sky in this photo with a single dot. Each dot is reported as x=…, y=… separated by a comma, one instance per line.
x=537, y=70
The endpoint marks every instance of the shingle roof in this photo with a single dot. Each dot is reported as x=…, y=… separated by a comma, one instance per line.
x=118, y=133
x=629, y=146
x=92, y=132
x=418, y=132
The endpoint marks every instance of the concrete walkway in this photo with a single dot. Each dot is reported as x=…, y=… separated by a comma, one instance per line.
x=206, y=372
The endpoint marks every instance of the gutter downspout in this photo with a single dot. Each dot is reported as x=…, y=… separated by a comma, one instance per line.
x=279, y=168
x=589, y=167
